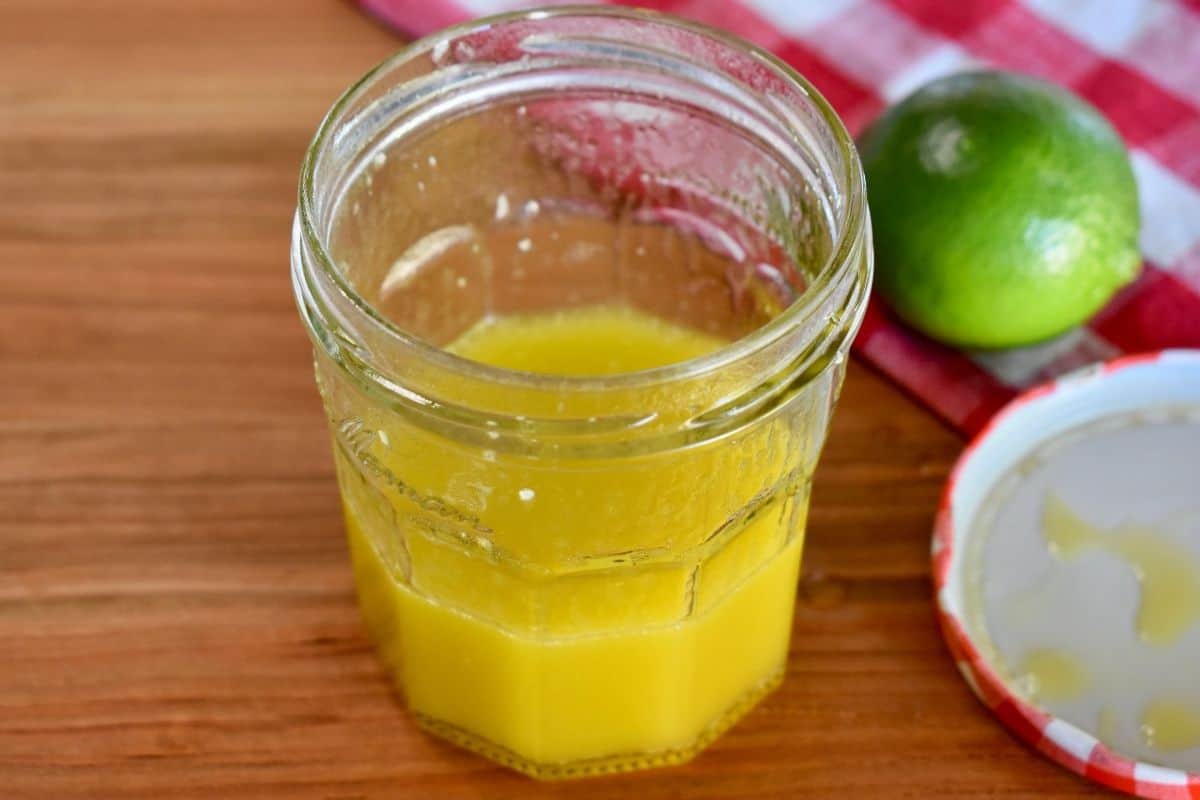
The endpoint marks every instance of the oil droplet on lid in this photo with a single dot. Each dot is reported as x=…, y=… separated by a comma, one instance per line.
x=1167, y=572
x=1171, y=726
x=1049, y=674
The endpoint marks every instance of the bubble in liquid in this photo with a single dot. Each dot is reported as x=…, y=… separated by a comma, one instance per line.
x=526, y=495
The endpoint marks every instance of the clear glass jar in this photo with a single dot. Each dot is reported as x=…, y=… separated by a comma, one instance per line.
x=585, y=574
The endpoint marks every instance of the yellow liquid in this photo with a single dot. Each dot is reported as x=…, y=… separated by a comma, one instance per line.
x=596, y=340
x=1053, y=675
x=557, y=666
x=1171, y=726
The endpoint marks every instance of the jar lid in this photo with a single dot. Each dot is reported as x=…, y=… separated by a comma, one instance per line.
x=1066, y=560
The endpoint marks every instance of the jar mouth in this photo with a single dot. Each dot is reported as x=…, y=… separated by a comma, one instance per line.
x=846, y=219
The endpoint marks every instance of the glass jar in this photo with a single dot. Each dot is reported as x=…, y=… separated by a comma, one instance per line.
x=588, y=573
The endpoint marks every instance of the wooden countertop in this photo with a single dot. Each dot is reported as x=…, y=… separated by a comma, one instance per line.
x=176, y=613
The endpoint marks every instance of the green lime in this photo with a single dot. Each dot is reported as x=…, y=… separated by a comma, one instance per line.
x=1004, y=209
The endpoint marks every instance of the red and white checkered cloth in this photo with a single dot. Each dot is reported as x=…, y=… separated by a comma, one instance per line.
x=1138, y=61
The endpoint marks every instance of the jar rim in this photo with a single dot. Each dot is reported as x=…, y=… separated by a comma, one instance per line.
x=838, y=260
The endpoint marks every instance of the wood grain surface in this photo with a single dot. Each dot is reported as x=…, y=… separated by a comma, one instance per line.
x=176, y=613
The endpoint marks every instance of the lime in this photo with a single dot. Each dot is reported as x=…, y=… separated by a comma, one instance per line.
x=1004, y=209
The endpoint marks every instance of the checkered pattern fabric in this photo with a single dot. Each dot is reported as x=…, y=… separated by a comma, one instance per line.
x=1138, y=61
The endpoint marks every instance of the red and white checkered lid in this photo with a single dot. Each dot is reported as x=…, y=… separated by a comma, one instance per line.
x=1126, y=384
x=1138, y=61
